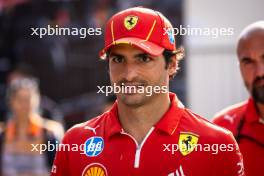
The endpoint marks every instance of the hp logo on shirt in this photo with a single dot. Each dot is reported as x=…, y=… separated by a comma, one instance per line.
x=94, y=146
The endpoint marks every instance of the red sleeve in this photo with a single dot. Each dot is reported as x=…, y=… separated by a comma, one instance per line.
x=229, y=123
x=229, y=160
x=60, y=165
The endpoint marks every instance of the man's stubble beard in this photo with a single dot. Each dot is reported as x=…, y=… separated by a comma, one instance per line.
x=257, y=92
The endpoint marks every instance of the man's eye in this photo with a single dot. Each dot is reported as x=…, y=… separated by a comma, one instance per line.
x=246, y=61
x=144, y=58
x=117, y=59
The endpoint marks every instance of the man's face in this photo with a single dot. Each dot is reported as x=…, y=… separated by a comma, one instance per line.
x=251, y=59
x=130, y=66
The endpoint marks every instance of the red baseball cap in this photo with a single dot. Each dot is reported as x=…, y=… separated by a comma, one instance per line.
x=144, y=28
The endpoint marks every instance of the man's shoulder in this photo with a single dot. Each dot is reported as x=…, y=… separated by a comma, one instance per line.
x=232, y=110
x=218, y=144
x=93, y=126
x=206, y=130
x=231, y=116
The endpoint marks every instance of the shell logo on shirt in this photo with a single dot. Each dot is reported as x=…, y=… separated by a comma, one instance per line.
x=187, y=142
x=94, y=169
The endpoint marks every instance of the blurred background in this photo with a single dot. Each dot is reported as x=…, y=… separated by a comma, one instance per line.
x=68, y=68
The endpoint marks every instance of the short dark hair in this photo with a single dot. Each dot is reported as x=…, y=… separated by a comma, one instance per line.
x=168, y=54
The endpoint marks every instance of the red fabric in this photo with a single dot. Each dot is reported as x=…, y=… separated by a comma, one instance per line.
x=149, y=31
x=119, y=152
x=251, y=140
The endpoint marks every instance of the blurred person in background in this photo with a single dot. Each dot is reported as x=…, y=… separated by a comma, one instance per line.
x=246, y=119
x=47, y=107
x=25, y=128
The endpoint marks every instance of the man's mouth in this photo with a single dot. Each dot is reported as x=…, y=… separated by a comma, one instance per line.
x=132, y=84
x=259, y=83
x=132, y=87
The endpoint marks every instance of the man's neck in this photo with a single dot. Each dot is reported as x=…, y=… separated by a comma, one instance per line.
x=138, y=121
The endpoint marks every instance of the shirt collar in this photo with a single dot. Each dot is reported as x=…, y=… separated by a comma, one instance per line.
x=168, y=122
x=113, y=122
x=251, y=114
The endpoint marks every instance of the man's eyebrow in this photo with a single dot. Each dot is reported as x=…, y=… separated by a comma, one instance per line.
x=246, y=59
x=115, y=54
x=142, y=55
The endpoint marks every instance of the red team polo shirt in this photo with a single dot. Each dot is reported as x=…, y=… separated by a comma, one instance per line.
x=243, y=120
x=109, y=151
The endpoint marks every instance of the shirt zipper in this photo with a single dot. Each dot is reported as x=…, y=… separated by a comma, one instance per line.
x=138, y=147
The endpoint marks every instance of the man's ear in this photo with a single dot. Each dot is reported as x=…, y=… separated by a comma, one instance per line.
x=173, y=65
x=174, y=59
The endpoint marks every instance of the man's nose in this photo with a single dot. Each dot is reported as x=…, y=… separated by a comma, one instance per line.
x=130, y=72
x=260, y=69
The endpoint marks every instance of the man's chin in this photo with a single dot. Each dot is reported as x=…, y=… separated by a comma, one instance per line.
x=133, y=99
x=258, y=94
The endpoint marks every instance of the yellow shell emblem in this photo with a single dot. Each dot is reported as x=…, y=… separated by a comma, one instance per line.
x=187, y=143
x=130, y=22
x=94, y=169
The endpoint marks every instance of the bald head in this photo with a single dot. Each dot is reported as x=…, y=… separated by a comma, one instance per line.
x=250, y=51
x=251, y=35
x=251, y=29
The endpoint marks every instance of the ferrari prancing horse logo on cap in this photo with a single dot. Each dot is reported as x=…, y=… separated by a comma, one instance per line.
x=130, y=22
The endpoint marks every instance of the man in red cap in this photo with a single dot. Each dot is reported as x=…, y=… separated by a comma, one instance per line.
x=246, y=119
x=146, y=134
